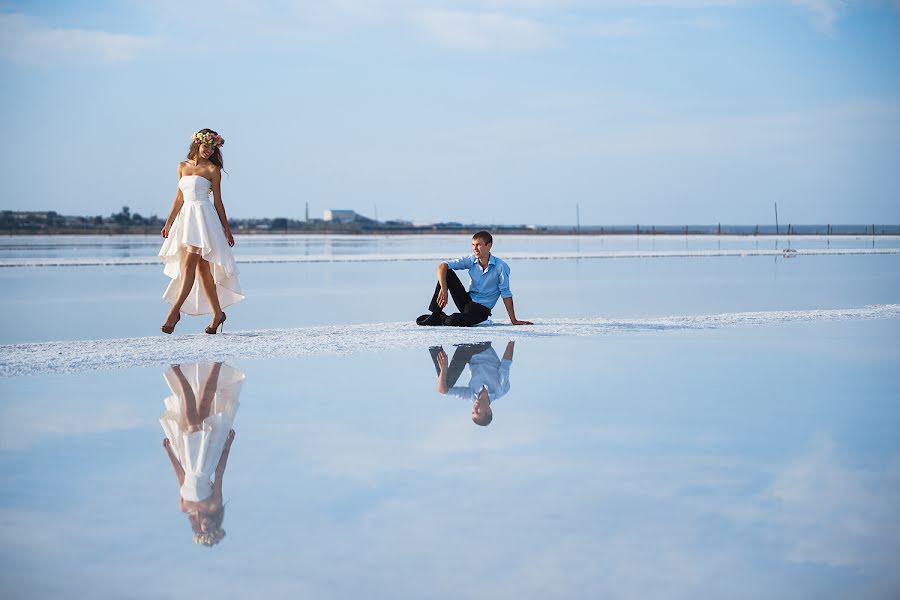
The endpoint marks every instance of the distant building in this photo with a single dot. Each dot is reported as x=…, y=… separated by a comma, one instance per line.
x=341, y=216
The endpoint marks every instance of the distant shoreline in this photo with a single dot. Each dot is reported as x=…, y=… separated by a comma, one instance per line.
x=348, y=222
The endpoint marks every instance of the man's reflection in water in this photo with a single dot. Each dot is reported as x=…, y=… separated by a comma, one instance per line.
x=198, y=420
x=489, y=376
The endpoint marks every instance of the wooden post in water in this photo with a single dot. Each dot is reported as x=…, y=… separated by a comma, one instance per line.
x=776, y=218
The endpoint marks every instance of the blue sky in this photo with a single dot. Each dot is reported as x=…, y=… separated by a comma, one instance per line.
x=508, y=111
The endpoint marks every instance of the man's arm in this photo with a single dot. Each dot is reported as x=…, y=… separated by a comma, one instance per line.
x=460, y=263
x=506, y=294
x=442, y=386
x=442, y=280
x=511, y=309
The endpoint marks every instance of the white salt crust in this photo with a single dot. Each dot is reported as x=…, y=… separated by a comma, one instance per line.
x=97, y=355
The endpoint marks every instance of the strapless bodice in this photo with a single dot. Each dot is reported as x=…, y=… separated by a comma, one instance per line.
x=194, y=188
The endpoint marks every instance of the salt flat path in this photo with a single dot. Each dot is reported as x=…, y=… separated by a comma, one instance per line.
x=97, y=355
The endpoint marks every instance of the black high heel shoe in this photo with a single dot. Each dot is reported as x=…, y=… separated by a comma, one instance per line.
x=220, y=323
x=168, y=329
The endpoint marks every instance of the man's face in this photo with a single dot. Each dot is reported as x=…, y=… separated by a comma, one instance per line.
x=480, y=249
x=481, y=406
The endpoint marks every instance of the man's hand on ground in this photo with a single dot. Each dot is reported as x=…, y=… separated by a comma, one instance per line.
x=520, y=322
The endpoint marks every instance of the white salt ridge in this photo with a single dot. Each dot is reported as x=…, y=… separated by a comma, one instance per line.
x=353, y=258
x=96, y=355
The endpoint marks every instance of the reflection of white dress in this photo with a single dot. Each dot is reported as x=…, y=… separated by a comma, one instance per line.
x=199, y=451
x=197, y=224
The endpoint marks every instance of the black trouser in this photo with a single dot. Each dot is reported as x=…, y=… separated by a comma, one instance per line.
x=470, y=312
x=461, y=357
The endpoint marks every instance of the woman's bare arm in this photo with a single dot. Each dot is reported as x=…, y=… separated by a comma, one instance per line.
x=223, y=460
x=179, y=470
x=176, y=207
x=220, y=207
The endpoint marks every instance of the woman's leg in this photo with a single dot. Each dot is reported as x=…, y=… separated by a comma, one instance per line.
x=188, y=271
x=209, y=286
x=188, y=400
x=209, y=391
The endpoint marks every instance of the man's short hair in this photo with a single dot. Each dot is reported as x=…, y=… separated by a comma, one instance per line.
x=484, y=420
x=484, y=236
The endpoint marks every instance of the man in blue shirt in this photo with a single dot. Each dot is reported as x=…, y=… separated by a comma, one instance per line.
x=490, y=281
x=489, y=376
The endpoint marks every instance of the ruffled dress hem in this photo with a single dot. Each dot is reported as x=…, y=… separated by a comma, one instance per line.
x=197, y=226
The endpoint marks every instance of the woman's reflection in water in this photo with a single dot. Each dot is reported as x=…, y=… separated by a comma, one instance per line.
x=198, y=426
x=489, y=378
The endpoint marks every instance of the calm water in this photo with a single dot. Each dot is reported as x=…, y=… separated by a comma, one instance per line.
x=93, y=302
x=739, y=462
x=139, y=246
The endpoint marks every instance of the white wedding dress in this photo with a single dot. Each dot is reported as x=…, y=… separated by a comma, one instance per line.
x=197, y=228
x=199, y=451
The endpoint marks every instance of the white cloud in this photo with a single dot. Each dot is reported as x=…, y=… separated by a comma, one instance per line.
x=26, y=424
x=26, y=40
x=613, y=29
x=822, y=13
x=833, y=513
x=483, y=30
x=471, y=25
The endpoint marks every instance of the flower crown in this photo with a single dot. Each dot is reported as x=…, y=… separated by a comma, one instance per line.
x=209, y=138
x=209, y=538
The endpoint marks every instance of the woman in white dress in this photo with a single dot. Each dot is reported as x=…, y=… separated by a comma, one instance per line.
x=198, y=240
x=198, y=425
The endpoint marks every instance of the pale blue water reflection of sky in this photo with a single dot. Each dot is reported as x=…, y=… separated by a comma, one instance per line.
x=147, y=246
x=742, y=462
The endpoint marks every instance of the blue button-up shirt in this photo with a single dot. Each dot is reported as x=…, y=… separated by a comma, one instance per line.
x=488, y=371
x=487, y=285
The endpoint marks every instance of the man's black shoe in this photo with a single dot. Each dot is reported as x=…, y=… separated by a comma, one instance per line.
x=431, y=320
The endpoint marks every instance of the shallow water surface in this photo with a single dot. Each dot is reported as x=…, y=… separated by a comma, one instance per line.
x=740, y=462
x=97, y=302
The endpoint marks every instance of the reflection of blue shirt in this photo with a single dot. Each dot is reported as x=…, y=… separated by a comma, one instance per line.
x=487, y=371
x=487, y=285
